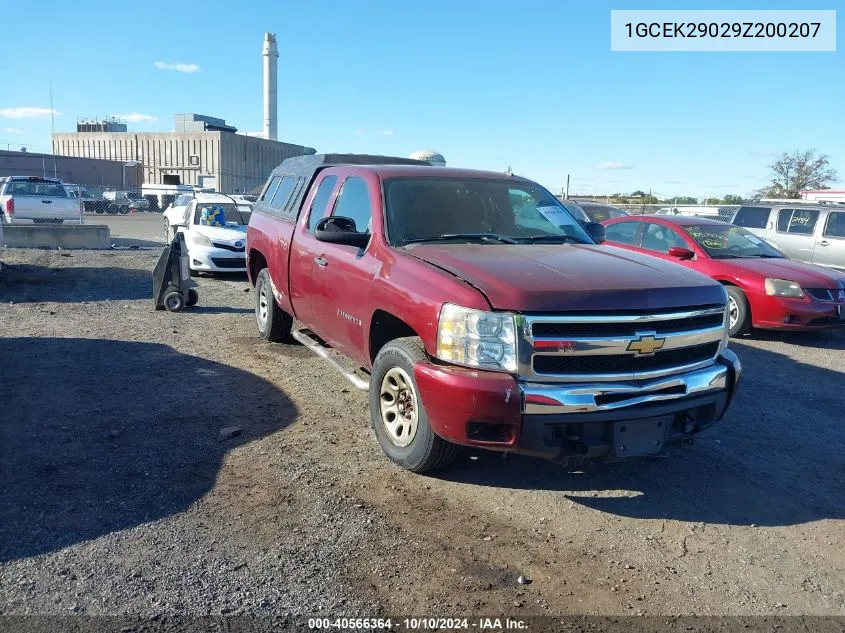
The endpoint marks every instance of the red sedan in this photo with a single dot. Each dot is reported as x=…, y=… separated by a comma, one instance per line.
x=765, y=288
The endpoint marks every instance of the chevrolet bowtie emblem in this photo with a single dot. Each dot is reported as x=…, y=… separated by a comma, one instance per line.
x=646, y=344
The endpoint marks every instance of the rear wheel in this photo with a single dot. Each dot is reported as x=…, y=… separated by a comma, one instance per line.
x=124, y=209
x=738, y=312
x=399, y=419
x=274, y=324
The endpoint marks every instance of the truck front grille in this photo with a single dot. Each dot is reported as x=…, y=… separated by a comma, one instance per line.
x=618, y=347
x=624, y=363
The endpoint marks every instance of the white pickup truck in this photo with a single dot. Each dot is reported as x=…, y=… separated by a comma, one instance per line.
x=35, y=200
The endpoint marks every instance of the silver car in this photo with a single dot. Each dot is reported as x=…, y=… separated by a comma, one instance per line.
x=810, y=232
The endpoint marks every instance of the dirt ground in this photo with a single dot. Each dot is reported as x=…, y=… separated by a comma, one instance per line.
x=119, y=497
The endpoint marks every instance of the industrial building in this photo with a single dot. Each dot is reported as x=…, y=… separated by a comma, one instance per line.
x=201, y=150
x=86, y=171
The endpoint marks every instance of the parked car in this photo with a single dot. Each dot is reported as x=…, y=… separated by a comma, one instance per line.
x=597, y=212
x=215, y=234
x=765, y=288
x=36, y=200
x=809, y=232
x=176, y=214
x=92, y=200
x=125, y=202
x=470, y=326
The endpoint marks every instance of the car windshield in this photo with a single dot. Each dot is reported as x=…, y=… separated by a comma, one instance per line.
x=726, y=241
x=600, y=213
x=487, y=211
x=134, y=195
x=220, y=214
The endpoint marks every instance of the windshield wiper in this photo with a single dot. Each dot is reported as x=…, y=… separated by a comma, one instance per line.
x=484, y=237
x=551, y=238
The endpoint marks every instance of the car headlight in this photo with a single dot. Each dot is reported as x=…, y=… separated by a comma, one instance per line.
x=476, y=338
x=783, y=288
x=202, y=240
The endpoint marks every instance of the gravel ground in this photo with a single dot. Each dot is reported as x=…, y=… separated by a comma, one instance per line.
x=119, y=497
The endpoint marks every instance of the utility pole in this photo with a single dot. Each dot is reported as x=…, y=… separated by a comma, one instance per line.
x=566, y=195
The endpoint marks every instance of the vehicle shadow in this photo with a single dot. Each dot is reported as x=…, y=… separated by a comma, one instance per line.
x=822, y=339
x=775, y=459
x=200, y=309
x=130, y=242
x=28, y=283
x=96, y=436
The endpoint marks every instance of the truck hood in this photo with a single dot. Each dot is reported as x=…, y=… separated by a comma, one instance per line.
x=565, y=277
x=805, y=275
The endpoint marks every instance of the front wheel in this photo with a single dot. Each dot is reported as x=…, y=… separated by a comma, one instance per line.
x=124, y=210
x=739, y=314
x=399, y=419
x=274, y=324
x=174, y=301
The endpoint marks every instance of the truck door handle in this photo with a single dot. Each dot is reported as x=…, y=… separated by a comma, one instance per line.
x=824, y=243
x=47, y=201
x=321, y=262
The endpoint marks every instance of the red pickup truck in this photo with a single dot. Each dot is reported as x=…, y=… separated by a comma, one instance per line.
x=477, y=311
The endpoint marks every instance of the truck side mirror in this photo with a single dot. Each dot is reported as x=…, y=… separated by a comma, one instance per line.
x=595, y=231
x=340, y=230
x=680, y=252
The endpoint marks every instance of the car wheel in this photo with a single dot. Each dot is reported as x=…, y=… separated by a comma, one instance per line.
x=124, y=210
x=397, y=413
x=274, y=324
x=193, y=297
x=174, y=301
x=738, y=312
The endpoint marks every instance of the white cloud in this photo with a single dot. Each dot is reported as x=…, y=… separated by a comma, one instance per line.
x=136, y=117
x=612, y=165
x=26, y=113
x=12, y=130
x=387, y=132
x=178, y=67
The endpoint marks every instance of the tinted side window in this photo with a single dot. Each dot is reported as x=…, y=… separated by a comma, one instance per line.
x=321, y=201
x=271, y=189
x=752, y=217
x=835, y=224
x=800, y=221
x=354, y=202
x=623, y=232
x=282, y=194
x=661, y=238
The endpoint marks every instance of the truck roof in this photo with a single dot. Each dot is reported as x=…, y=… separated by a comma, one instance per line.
x=306, y=167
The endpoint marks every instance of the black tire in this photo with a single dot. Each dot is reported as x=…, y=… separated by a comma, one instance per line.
x=124, y=210
x=274, y=324
x=193, y=297
x=426, y=451
x=173, y=301
x=737, y=301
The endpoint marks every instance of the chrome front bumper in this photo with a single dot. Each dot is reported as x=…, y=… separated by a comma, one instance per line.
x=557, y=398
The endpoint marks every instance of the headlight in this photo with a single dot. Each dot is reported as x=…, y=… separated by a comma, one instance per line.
x=202, y=240
x=783, y=288
x=476, y=338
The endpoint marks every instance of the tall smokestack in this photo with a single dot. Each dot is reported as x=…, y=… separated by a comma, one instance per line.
x=270, y=54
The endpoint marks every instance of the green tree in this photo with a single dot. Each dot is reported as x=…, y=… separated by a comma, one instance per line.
x=732, y=199
x=795, y=172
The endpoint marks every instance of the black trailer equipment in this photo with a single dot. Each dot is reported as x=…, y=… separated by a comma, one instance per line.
x=172, y=284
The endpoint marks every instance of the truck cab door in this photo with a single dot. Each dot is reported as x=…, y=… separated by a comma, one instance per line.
x=344, y=274
x=304, y=277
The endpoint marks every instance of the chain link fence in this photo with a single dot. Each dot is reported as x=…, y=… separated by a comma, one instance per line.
x=145, y=199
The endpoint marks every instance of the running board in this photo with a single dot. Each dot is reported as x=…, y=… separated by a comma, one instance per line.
x=343, y=368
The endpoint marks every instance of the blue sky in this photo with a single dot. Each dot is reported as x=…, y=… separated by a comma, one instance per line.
x=488, y=83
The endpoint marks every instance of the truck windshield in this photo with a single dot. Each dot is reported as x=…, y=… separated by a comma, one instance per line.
x=726, y=241
x=461, y=210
